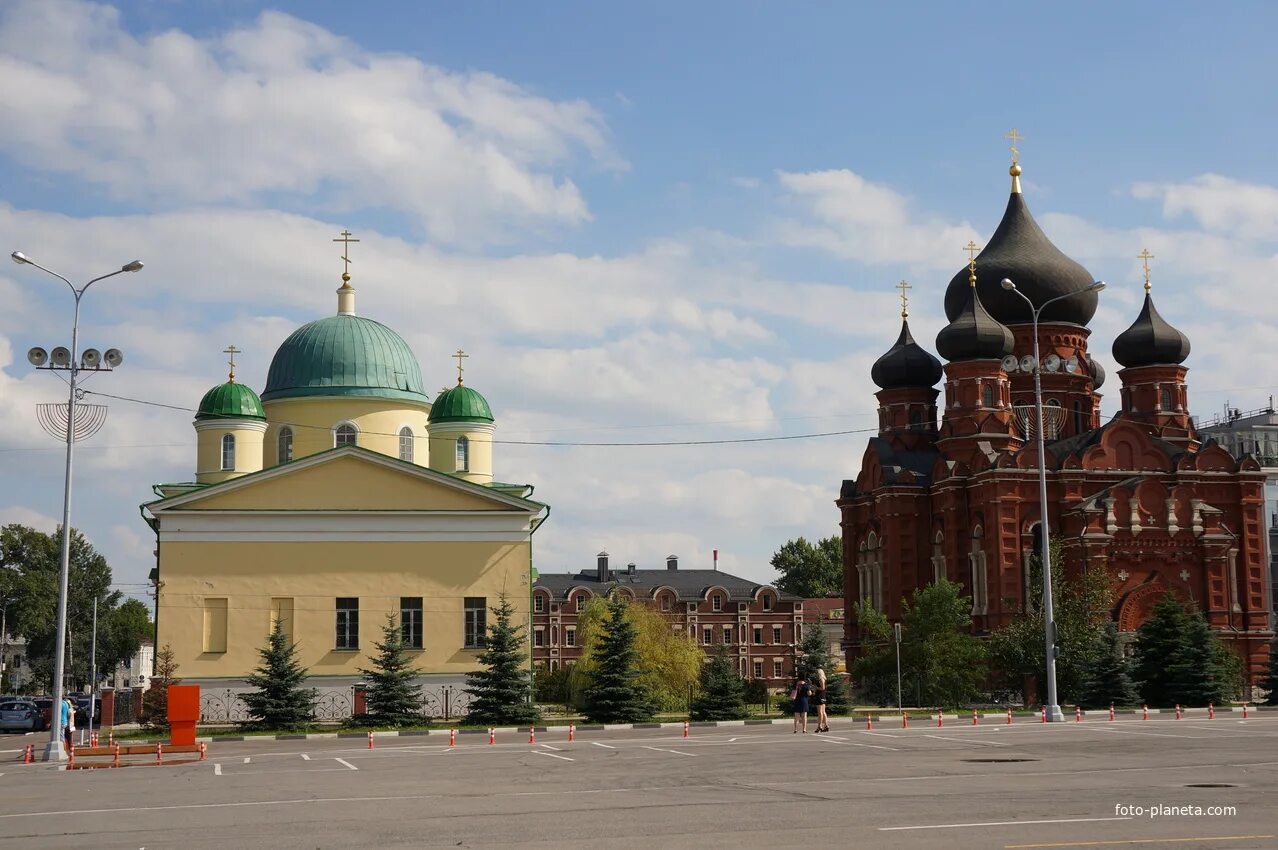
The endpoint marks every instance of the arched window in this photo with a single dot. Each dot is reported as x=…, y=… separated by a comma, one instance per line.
x=1168, y=404
x=286, y=444
x=345, y=435
x=463, y=454
x=406, y=444
x=987, y=395
x=228, y=451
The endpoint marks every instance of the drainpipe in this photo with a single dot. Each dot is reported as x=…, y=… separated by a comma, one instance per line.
x=529, y=633
x=155, y=624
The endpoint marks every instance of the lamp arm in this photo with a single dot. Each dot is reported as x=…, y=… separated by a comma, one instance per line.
x=74, y=291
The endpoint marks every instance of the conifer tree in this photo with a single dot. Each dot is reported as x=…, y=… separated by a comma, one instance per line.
x=722, y=694
x=1106, y=681
x=394, y=697
x=280, y=701
x=1270, y=683
x=1199, y=670
x=614, y=694
x=155, y=701
x=815, y=650
x=1159, y=640
x=500, y=692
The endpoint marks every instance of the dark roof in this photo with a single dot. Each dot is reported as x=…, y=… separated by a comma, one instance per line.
x=906, y=364
x=1150, y=340
x=688, y=584
x=1098, y=372
x=892, y=459
x=1021, y=251
x=973, y=334
x=1079, y=443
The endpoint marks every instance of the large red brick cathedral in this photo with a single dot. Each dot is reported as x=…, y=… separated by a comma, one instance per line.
x=1140, y=495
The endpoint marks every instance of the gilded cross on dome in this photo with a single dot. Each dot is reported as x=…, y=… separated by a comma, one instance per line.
x=1014, y=136
x=460, y=355
x=345, y=238
x=971, y=248
x=232, y=350
x=1144, y=256
x=905, y=299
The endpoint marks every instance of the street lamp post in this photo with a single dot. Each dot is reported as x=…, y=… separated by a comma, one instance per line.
x=1052, y=710
x=53, y=750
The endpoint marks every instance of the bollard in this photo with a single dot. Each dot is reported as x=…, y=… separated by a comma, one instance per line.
x=1044, y=714
x=572, y=732
x=869, y=724
x=1211, y=711
x=905, y=721
x=1078, y=714
x=492, y=735
x=115, y=756
x=93, y=739
x=940, y=718
x=111, y=738
x=685, y=728
x=532, y=734
x=1111, y=712
x=975, y=720
x=452, y=737
x=370, y=739
x=1144, y=712
x=204, y=751
x=28, y=755
x=1177, y=711
x=1244, y=711
x=1009, y=716
x=159, y=753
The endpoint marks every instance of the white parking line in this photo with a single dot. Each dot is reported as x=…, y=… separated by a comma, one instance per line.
x=997, y=823
x=341, y=761
x=853, y=743
x=676, y=752
x=217, y=768
x=246, y=759
x=605, y=746
x=547, y=746
x=969, y=741
x=305, y=757
x=551, y=755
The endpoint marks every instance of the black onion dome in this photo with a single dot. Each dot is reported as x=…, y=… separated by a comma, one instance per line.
x=906, y=364
x=1098, y=372
x=973, y=334
x=1150, y=340
x=1021, y=251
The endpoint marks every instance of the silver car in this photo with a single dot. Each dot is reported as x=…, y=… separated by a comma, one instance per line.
x=20, y=715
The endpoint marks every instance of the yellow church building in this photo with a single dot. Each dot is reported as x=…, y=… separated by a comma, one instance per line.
x=339, y=497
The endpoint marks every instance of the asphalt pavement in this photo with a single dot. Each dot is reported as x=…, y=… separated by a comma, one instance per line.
x=1162, y=783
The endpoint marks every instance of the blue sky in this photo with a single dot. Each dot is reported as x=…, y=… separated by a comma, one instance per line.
x=667, y=220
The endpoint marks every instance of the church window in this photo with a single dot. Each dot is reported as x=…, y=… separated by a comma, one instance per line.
x=215, y=625
x=463, y=454
x=347, y=622
x=286, y=444
x=476, y=631
x=228, y=451
x=345, y=435
x=406, y=444
x=410, y=621
x=987, y=395
x=1168, y=404
x=976, y=560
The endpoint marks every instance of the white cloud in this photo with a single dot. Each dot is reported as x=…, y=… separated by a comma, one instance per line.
x=20, y=515
x=1219, y=204
x=235, y=117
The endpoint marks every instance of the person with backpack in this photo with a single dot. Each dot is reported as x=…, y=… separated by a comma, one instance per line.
x=800, y=696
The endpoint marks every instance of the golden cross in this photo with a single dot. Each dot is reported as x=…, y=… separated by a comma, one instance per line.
x=971, y=248
x=460, y=355
x=905, y=299
x=1145, y=257
x=1015, y=137
x=345, y=238
x=232, y=350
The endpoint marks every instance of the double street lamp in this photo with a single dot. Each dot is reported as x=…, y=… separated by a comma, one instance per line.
x=73, y=363
x=1052, y=710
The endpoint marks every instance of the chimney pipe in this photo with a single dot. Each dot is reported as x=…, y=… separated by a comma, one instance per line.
x=601, y=568
x=630, y=568
x=672, y=562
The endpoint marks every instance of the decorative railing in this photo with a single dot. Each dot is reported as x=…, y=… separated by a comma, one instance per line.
x=445, y=702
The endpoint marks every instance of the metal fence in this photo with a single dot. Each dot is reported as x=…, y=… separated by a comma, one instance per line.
x=444, y=702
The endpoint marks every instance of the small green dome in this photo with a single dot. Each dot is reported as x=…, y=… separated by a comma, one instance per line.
x=460, y=404
x=231, y=401
x=344, y=355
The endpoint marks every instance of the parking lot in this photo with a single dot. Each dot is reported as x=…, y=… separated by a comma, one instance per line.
x=1028, y=785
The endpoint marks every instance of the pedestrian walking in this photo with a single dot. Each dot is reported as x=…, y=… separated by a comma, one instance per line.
x=68, y=722
x=822, y=724
x=800, y=696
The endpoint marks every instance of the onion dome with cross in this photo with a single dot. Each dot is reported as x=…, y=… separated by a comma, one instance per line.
x=906, y=363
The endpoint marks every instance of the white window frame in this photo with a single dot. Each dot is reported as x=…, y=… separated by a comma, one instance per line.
x=406, y=442
x=337, y=434
x=228, y=452
x=284, y=445
x=461, y=458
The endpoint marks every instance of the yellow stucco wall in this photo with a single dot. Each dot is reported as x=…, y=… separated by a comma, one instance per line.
x=348, y=483
x=248, y=450
x=443, y=451
x=256, y=578
x=313, y=421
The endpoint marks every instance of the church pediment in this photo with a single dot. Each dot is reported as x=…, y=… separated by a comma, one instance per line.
x=346, y=479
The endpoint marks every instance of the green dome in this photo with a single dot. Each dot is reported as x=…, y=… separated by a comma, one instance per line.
x=231, y=401
x=344, y=355
x=460, y=404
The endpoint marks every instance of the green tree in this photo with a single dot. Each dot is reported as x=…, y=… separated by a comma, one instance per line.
x=814, y=654
x=1201, y=669
x=874, y=669
x=669, y=662
x=722, y=692
x=500, y=691
x=1270, y=682
x=394, y=697
x=280, y=700
x=1081, y=606
x=1106, y=680
x=615, y=693
x=942, y=662
x=810, y=570
x=1159, y=640
x=553, y=686
x=155, y=701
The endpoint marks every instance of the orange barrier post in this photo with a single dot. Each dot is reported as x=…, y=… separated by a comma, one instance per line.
x=28, y=755
x=1244, y=711
x=532, y=734
x=492, y=735
x=93, y=739
x=115, y=757
x=111, y=738
x=572, y=732
x=452, y=737
x=1177, y=711
x=940, y=718
x=1044, y=720
x=869, y=721
x=1144, y=709
x=1009, y=715
x=159, y=753
x=975, y=720
x=370, y=739
x=204, y=751
x=1111, y=712
x=1211, y=711
x=905, y=721
x=685, y=728
x=1078, y=714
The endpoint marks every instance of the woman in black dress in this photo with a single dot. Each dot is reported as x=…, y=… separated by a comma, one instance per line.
x=823, y=724
x=801, y=694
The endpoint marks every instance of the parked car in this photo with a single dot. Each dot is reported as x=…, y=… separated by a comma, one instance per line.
x=20, y=715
